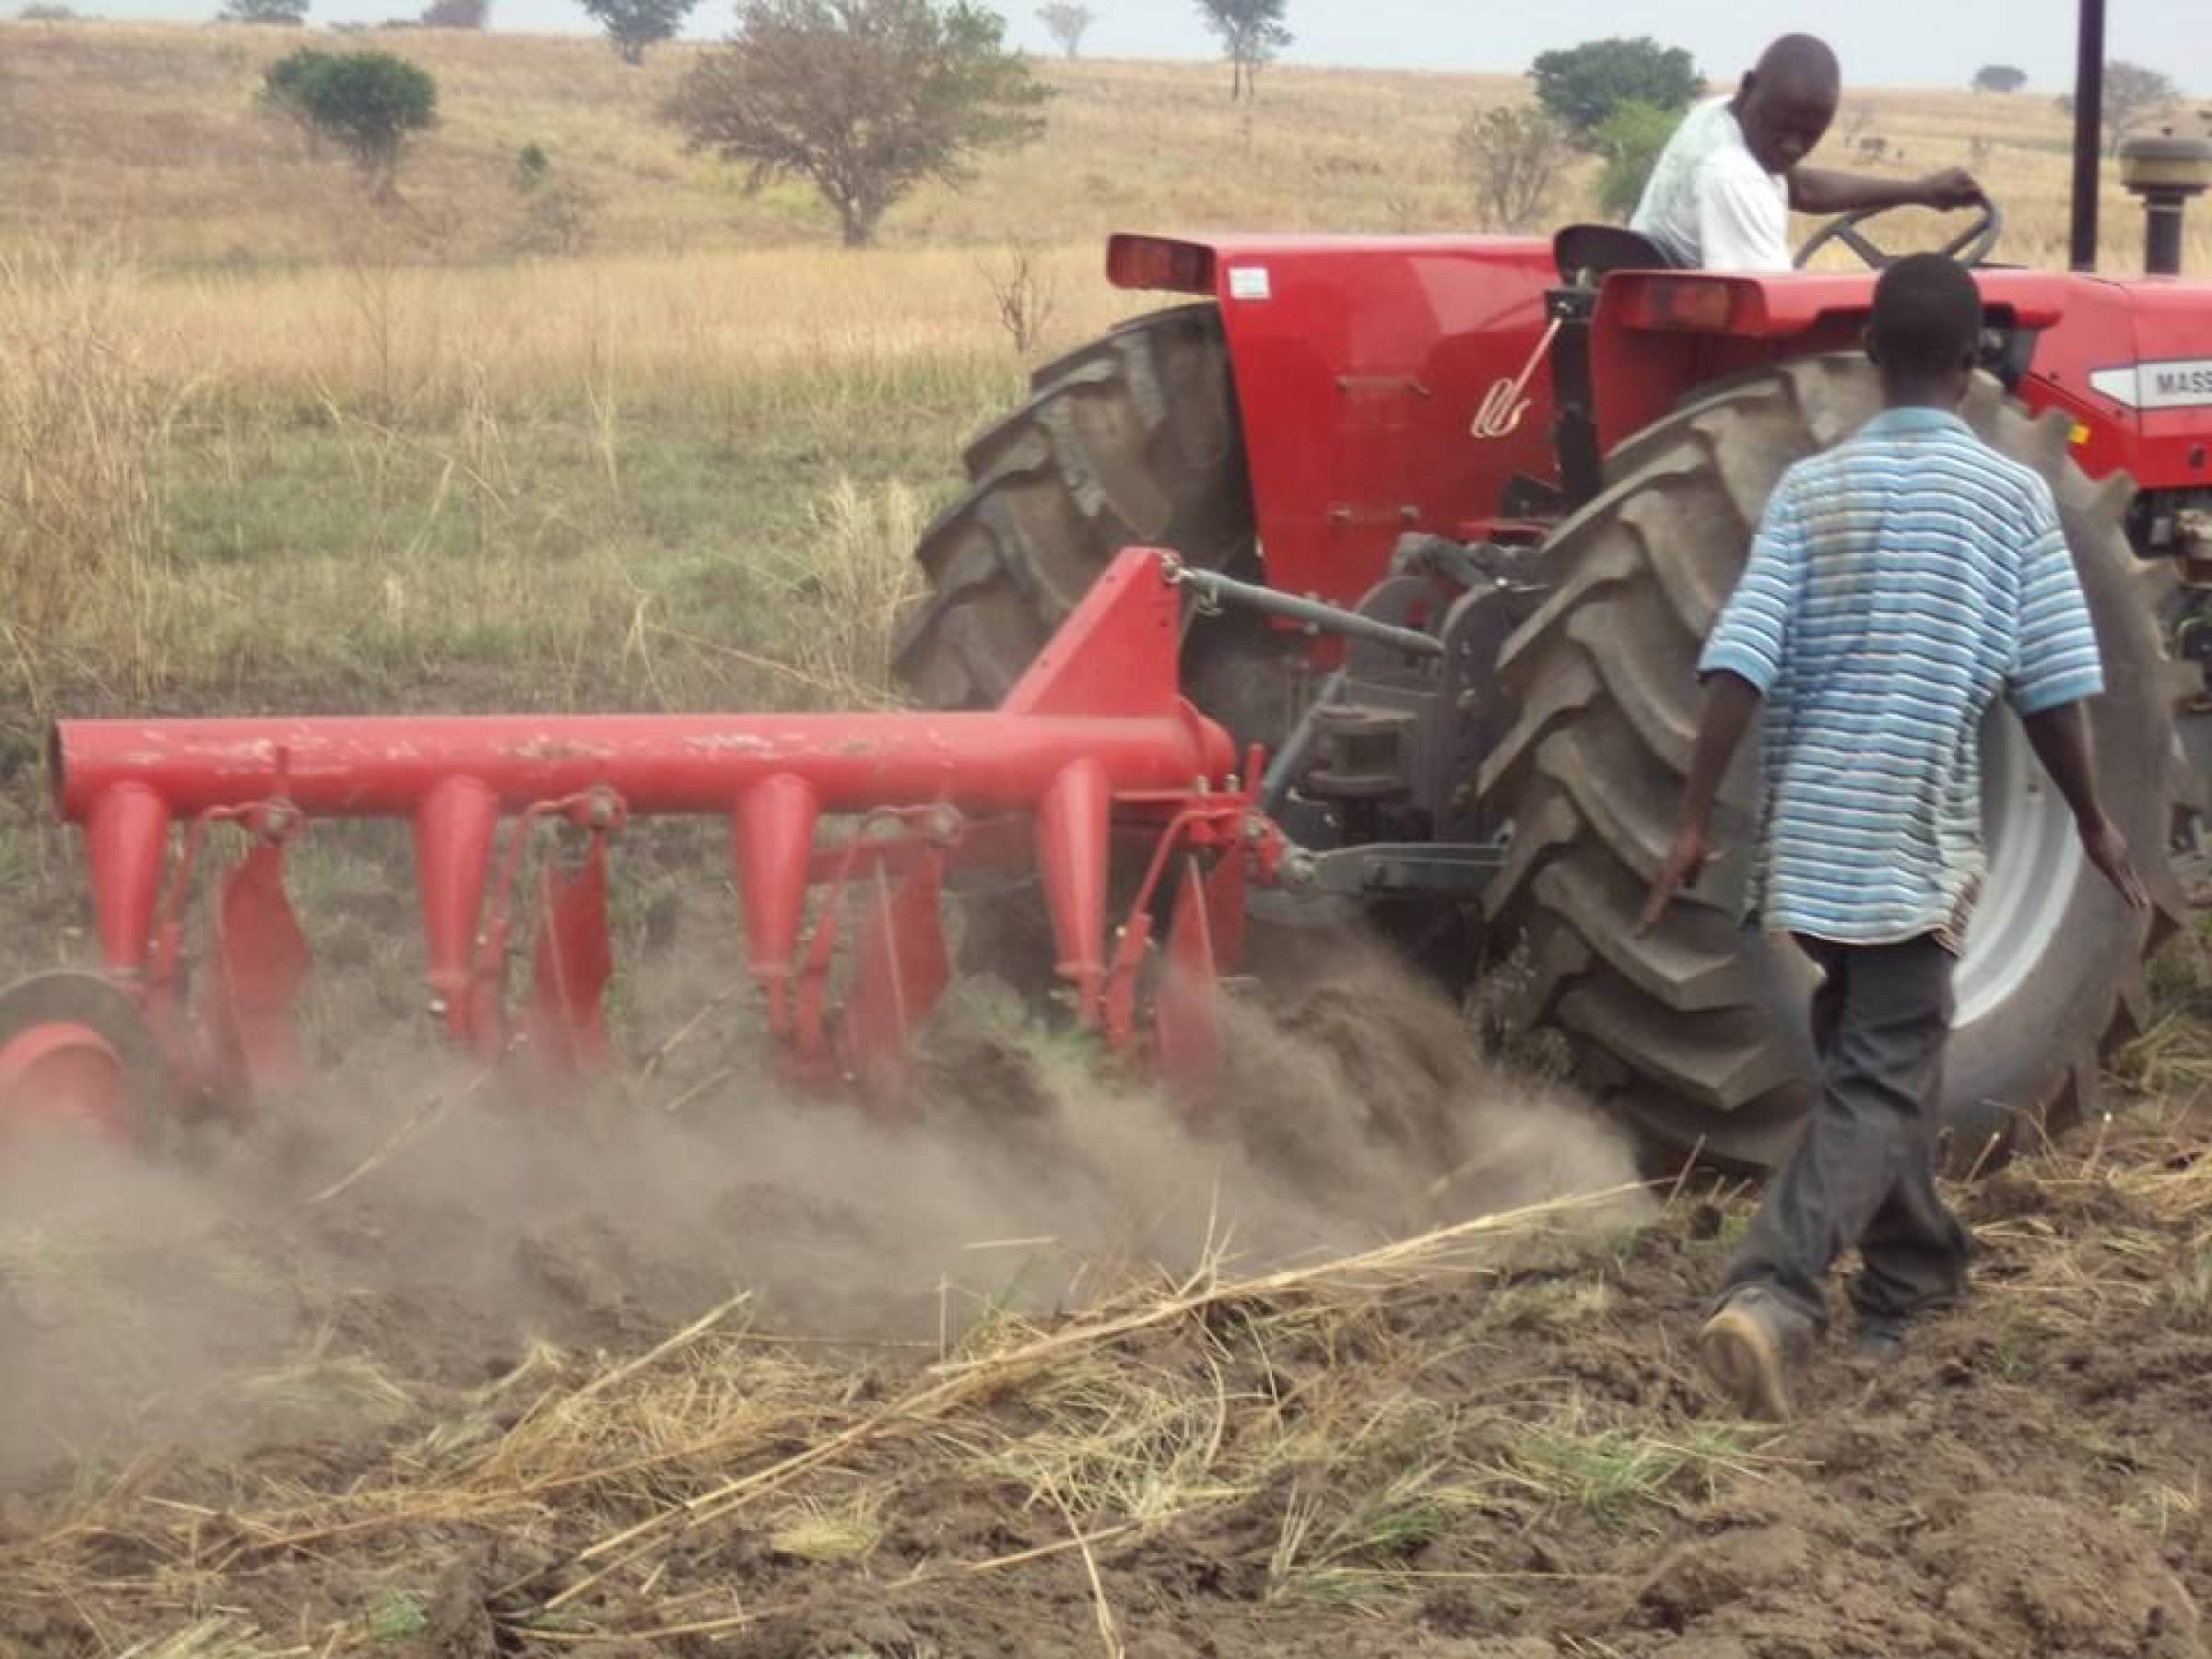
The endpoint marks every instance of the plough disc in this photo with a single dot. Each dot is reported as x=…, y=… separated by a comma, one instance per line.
x=77, y=1053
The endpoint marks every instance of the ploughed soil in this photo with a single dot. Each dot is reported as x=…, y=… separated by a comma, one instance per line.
x=1384, y=1362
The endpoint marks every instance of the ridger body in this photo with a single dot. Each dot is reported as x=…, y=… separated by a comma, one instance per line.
x=1094, y=746
x=1370, y=583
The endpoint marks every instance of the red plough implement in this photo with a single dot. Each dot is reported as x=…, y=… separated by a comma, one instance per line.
x=1095, y=748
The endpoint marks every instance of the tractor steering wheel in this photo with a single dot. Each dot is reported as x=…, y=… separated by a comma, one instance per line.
x=1971, y=246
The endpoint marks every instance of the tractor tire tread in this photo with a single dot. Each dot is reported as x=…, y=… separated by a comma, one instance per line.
x=1669, y=1027
x=1133, y=438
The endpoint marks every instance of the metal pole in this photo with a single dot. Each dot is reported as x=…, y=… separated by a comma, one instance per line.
x=1217, y=589
x=2089, y=132
x=2163, y=212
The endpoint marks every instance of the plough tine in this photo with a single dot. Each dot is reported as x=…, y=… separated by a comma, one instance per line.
x=262, y=961
x=1186, y=1009
x=1073, y=833
x=1225, y=908
x=126, y=837
x=565, y=1016
x=453, y=831
x=902, y=970
x=772, y=837
x=1129, y=948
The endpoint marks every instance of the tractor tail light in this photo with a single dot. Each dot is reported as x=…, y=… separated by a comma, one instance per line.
x=1696, y=304
x=1155, y=262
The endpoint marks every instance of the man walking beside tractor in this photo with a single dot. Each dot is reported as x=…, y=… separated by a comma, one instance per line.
x=1899, y=584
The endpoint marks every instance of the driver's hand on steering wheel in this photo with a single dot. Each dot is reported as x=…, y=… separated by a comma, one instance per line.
x=1950, y=190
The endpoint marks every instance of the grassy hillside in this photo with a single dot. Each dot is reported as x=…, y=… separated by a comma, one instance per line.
x=262, y=442
x=151, y=130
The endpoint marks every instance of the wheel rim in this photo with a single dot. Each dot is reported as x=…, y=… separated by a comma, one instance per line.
x=2034, y=863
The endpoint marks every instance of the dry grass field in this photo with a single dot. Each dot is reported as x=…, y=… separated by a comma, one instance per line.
x=257, y=436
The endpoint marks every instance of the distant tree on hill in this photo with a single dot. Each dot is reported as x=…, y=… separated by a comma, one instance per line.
x=456, y=14
x=2132, y=96
x=633, y=25
x=1252, y=34
x=862, y=99
x=276, y=14
x=47, y=12
x=1999, y=77
x=368, y=103
x=1513, y=156
x=1584, y=85
x=1067, y=24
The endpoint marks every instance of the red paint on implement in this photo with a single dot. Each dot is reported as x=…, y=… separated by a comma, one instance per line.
x=1095, y=744
x=60, y=1074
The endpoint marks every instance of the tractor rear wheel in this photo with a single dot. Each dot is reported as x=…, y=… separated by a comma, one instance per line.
x=1697, y=1032
x=1133, y=439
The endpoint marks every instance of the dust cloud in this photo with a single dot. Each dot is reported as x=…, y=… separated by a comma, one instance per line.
x=229, y=1296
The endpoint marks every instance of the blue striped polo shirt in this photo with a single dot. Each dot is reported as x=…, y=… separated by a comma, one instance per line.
x=1899, y=584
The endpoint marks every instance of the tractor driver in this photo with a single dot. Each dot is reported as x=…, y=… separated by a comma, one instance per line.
x=1721, y=194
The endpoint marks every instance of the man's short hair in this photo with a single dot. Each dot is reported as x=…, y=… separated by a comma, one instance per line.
x=1801, y=63
x=1927, y=315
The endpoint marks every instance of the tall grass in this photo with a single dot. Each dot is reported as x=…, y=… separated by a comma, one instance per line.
x=274, y=444
x=83, y=424
x=803, y=330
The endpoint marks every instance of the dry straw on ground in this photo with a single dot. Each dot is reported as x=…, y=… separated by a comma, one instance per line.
x=1291, y=1407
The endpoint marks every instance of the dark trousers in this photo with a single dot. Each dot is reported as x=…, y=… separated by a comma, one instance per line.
x=1865, y=1172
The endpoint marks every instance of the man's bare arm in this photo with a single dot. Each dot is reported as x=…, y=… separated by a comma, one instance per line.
x=1730, y=701
x=1820, y=190
x=2061, y=737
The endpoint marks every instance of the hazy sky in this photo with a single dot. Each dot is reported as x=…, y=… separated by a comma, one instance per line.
x=1883, y=42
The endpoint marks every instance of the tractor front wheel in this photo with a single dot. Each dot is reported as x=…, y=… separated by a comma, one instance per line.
x=1698, y=1032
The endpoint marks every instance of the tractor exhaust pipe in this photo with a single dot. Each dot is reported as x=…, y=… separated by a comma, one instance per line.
x=2165, y=171
x=2089, y=132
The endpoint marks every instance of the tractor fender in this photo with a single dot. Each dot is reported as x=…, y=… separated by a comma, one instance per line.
x=1360, y=365
x=1657, y=336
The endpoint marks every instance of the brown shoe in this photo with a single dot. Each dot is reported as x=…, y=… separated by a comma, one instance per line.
x=1745, y=1350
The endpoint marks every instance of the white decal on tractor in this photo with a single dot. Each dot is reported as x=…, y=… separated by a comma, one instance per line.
x=2185, y=383
x=1249, y=282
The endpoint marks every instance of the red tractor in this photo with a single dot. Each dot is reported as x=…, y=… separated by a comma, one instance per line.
x=1547, y=459
x=1371, y=579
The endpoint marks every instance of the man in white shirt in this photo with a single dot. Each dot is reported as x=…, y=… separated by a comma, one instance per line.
x=1720, y=195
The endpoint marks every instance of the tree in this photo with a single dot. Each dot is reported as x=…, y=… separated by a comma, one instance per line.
x=865, y=99
x=633, y=25
x=1999, y=77
x=368, y=103
x=1512, y=157
x=1584, y=85
x=2132, y=95
x=1629, y=140
x=456, y=14
x=273, y=14
x=1252, y=32
x=1067, y=24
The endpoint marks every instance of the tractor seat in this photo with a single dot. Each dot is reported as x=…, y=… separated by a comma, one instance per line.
x=1587, y=254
